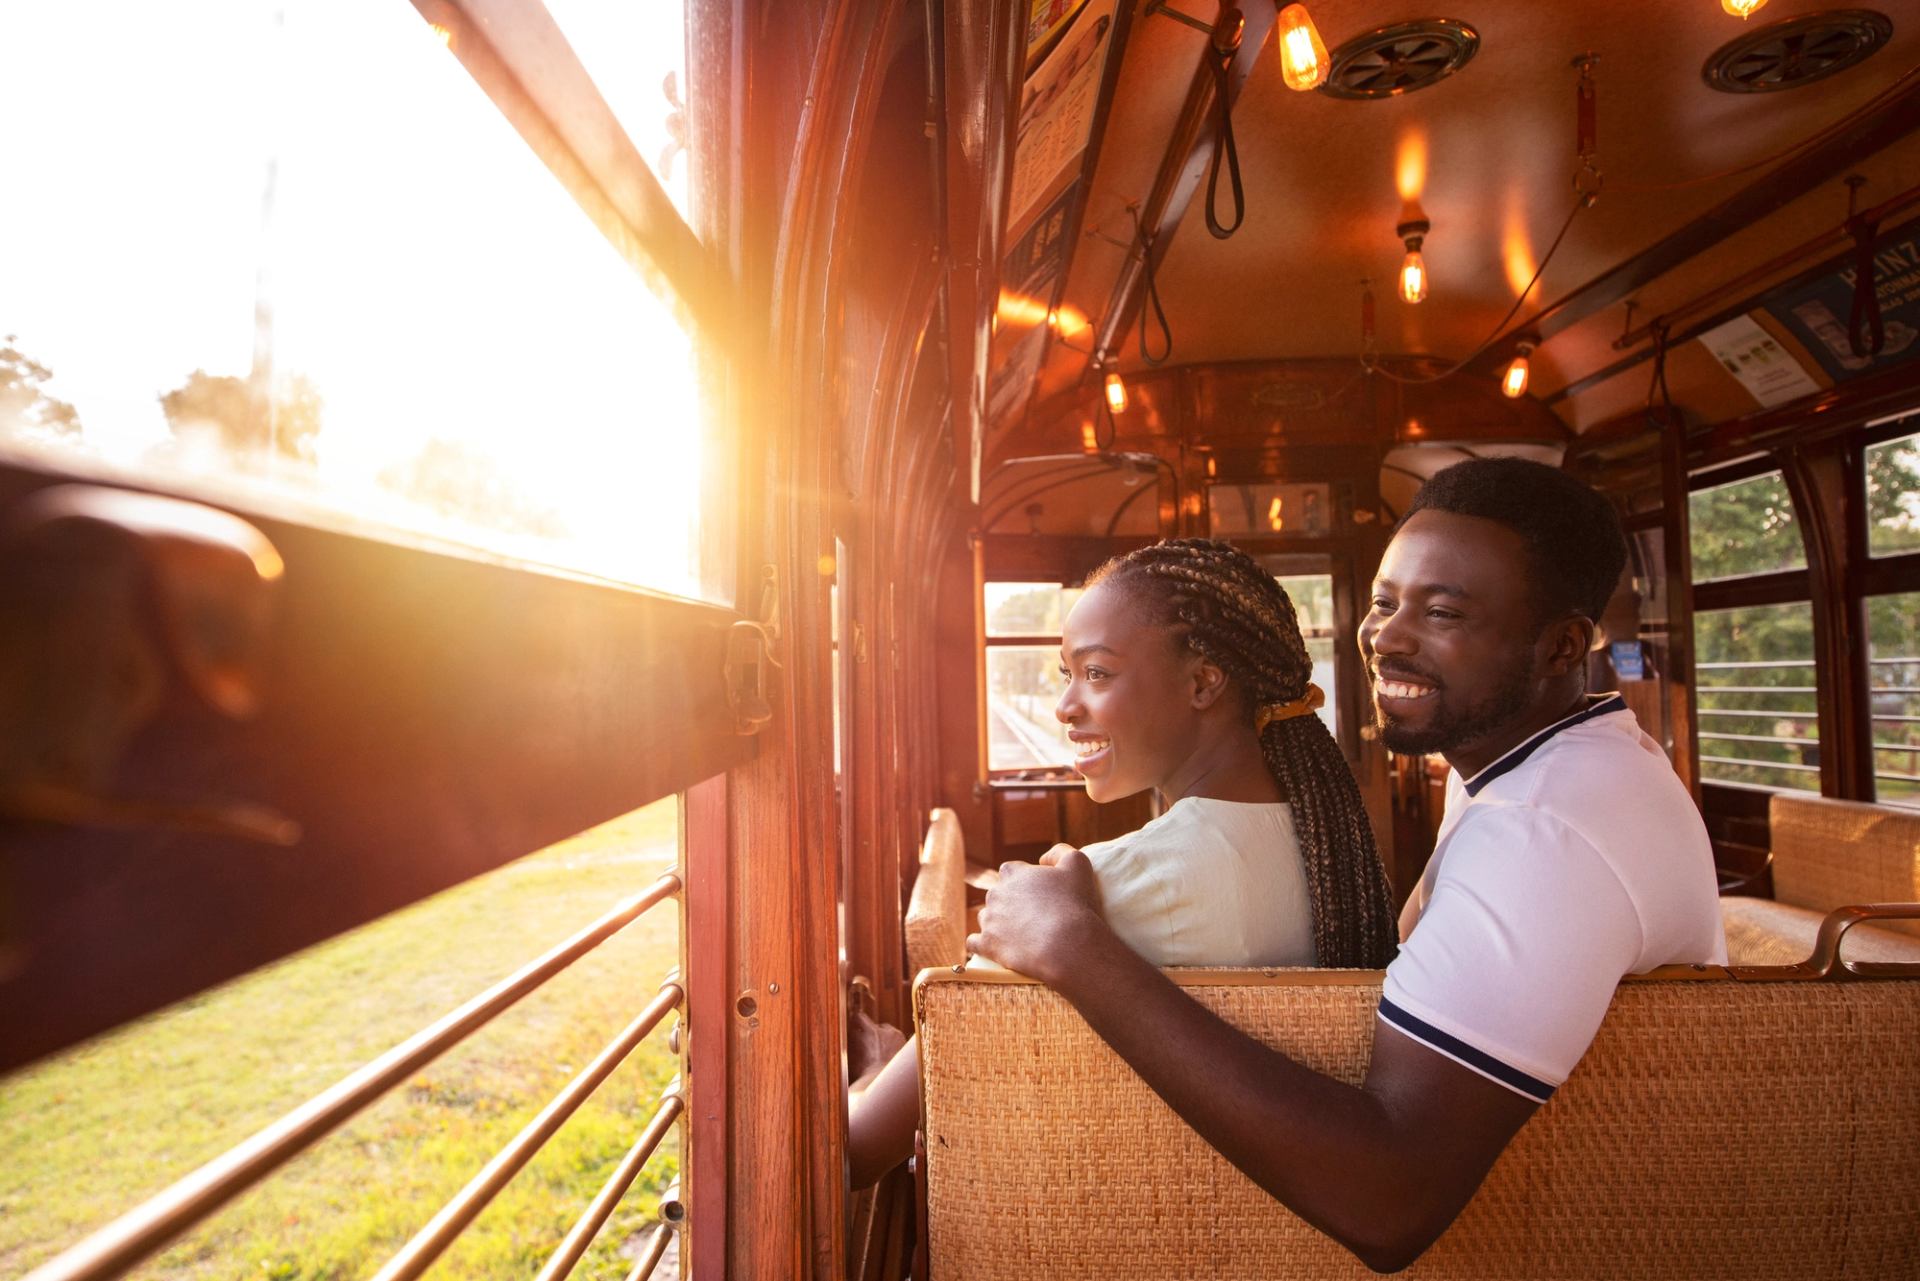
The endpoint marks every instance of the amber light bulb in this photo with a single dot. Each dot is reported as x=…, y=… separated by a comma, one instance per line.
x=1303, y=55
x=1742, y=9
x=1413, y=268
x=1116, y=394
x=1514, y=384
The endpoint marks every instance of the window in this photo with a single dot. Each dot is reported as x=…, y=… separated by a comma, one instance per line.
x=1757, y=683
x=1745, y=527
x=1023, y=623
x=1270, y=509
x=1312, y=596
x=352, y=290
x=1759, y=710
x=1893, y=497
x=1893, y=640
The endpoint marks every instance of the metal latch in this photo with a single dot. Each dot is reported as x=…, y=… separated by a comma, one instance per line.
x=748, y=656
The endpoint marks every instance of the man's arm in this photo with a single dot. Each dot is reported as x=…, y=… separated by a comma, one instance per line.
x=1383, y=1168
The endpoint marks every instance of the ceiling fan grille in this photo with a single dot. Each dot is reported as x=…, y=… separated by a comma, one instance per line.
x=1400, y=59
x=1797, y=51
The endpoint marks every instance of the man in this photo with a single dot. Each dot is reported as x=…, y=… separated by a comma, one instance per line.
x=1569, y=857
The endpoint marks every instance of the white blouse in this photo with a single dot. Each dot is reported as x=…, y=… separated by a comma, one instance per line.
x=1209, y=883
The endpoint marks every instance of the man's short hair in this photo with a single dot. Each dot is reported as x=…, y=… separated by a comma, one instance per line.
x=1572, y=533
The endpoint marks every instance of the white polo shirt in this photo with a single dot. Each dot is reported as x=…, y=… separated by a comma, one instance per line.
x=1571, y=861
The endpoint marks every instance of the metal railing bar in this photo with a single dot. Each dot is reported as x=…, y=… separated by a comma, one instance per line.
x=1760, y=738
x=651, y=1256
x=1896, y=747
x=1894, y=662
x=1900, y=720
x=418, y=1254
x=564, y=1259
x=147, y=1227
x=1735, y=760
x=1910, y=691
x=1731, y=665
x=1899, y=778
x=1759, y=689
x=1770, y=713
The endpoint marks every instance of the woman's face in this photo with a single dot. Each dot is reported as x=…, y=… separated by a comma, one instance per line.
x=1133, y=699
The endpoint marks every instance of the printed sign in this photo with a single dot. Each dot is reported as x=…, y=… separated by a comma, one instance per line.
x=1629, y=661
x=1044, y=20
x=1765, y=368
x=1817, y=312
x=1056, y=111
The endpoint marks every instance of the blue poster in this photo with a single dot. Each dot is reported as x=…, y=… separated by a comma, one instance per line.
x=1629, y=663
x=1818, y=311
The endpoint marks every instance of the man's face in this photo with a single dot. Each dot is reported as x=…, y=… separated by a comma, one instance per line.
x=1450, y=640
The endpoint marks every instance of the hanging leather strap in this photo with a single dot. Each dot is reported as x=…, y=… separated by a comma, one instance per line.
x=1866, y=330
x=1223, y=145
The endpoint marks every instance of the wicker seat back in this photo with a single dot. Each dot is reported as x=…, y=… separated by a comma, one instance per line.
x=1829, y=853
x=1717, y=1128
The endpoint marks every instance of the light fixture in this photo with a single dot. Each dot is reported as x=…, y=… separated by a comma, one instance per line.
x=1116, y=394
x=1303, y=55
x=1413, y=268
x=1513, y=384
x=1742, y=8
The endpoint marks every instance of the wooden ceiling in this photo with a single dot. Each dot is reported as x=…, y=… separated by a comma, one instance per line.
x=1488, y=156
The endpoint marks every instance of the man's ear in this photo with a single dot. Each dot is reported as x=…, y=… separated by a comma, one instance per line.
x=1209, y=683
x=1567, y=643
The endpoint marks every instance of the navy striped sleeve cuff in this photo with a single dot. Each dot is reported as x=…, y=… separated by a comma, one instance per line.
x=1460, y=1052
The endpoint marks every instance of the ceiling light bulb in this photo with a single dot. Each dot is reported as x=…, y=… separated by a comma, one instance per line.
x=1116, y=394
x=1413, y=277
x=1413, y=268
x=1742, y=9
x=1514, y=384
x=1303, y=55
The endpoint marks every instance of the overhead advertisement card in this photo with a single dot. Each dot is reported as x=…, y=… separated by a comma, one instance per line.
x=1765, y=368
x=1056, y=112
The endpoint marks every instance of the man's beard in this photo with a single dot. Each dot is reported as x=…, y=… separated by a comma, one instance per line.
x=1452, y=729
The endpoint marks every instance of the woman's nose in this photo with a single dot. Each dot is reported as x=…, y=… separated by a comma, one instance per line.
x=1067, y=706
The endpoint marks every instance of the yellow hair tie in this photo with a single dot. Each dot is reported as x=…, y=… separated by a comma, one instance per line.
x=1305, y=705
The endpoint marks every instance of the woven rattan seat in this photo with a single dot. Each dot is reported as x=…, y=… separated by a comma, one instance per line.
x=936, y=922
x=1718, y=1128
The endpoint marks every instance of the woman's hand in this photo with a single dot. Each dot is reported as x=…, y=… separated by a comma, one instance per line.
x=1043, y=920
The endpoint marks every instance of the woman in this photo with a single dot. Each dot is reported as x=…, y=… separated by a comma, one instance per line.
x=1186, y=672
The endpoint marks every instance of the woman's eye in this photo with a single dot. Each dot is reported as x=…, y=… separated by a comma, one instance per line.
x=1096, y=673
x=1381, y=605
x=1065, y=675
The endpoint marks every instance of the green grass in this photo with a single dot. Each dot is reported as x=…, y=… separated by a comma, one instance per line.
x=88, y=1135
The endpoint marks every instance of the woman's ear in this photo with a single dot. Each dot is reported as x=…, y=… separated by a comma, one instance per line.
x=1209, y=683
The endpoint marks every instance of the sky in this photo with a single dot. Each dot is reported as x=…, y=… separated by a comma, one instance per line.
x=426, y=273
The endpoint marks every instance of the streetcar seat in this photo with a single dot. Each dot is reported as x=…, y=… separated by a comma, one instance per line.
x=936, y=924
x=1649, y=1161
x=1828, y=854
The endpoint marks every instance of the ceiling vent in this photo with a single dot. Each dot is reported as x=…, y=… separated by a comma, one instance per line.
x=1796, y=51
x=1401, y=58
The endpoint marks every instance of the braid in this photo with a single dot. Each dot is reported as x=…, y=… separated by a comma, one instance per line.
x=1235, y=615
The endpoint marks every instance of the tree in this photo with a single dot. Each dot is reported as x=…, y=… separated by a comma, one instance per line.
x=223, y=404
x=459, y=481
x=25, y=408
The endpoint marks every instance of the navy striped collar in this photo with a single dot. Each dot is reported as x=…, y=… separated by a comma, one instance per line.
x=1597, y=705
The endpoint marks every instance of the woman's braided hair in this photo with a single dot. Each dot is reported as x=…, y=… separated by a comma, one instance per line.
x=1233, y=613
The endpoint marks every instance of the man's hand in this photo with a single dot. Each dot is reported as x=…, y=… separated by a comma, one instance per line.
x=1043, y=919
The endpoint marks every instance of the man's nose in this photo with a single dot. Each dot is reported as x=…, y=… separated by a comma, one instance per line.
x=1386, y=636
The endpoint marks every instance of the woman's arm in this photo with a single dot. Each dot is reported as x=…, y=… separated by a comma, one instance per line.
x=882, y=1117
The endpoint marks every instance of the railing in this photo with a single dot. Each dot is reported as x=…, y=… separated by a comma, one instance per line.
x=144, y=1230
x=1777, y=705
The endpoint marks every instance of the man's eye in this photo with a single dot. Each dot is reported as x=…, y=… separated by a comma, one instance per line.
x=1444, y=615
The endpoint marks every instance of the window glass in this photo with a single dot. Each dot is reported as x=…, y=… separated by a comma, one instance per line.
x=1746, y=527
x=1893, y=497
x=1312, y=596
x=1023, y=685
x=637, y=56
x=1270, y=509
x=1028, y=609
x=1893, y=640
x=1759, y=721
x=293, y=252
